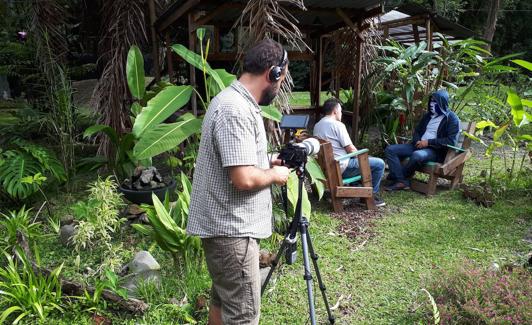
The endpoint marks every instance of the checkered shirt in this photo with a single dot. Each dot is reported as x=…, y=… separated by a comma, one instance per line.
x=232, y=135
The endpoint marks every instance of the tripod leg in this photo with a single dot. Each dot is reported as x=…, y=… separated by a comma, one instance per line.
x=318, y=275
x=307, y=276
x=274, y=264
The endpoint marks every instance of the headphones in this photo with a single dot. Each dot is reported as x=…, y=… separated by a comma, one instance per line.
x=277, y=70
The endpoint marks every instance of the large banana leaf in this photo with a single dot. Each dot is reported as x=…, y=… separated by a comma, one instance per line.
x=165, y=137
x=292, y=189
x=160, y=107
x=135, y=72
x=271, y=112
x=525, y=64
x=226, y=77
x=195, y=60
x=316, y=175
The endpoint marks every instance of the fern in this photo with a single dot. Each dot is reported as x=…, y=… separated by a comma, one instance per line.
x=26, y=160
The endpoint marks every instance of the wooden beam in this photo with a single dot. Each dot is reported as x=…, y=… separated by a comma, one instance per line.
x=192, y=69
x=233, y=56
x=407, y=33
x=359, y=14
x=169, y=55
x=180, y=12
x=217, y=11
x=345, y=18
x=356, y=90
x=353, y=191
x=154, y=40
x=418, y=19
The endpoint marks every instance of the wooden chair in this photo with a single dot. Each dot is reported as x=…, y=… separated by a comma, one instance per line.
x=452, y=166
x=338, y=186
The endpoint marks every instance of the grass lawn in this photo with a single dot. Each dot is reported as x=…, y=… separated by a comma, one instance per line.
x=381, y=281
x=302, y=98
x=376, y=280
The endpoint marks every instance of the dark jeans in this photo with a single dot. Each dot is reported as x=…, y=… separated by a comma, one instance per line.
x=377, y=170
x=397, y=152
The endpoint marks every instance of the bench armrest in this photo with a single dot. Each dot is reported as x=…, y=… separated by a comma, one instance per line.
x=352, y=154
x=455, y=148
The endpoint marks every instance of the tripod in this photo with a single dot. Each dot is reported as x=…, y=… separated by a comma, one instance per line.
x=301, y=224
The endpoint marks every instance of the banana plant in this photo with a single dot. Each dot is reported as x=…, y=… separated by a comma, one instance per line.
x=149, y=136
x=215, y=79
x=167, y=226
x=408, y=66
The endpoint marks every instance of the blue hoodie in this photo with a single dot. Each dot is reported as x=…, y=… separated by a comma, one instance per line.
x=447, y=130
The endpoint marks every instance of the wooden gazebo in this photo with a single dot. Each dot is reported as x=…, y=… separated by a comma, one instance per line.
x=320, y=18
x=411, y=23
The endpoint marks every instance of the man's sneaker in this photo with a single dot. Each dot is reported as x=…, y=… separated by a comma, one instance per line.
x=379, y=202
x=397, y=187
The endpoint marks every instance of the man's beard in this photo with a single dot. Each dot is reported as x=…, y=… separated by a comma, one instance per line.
x=268, y=95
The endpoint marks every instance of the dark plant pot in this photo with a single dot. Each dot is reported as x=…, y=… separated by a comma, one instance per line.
x=144, y=196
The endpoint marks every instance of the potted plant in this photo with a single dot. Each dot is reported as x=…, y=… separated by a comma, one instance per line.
x=149, y=136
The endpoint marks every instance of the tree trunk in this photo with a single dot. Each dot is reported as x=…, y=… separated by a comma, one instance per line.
x=491, y=21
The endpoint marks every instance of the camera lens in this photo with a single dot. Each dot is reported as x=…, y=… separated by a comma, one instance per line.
x=311, y=145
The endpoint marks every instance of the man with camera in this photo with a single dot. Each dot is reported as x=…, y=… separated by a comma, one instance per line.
x=331, y=128
x=231, y=207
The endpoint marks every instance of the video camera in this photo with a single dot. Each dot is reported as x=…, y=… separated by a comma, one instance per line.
x=295, y=154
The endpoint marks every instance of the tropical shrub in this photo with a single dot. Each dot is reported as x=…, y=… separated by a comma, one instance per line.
x=476, y=296
x=17, y=222
x=26, y=295
x=149, y=135
x=408, y=67
x=463, y=67
x=25, y=159
x=168, y=224
x=98, y=216
x=513, y=132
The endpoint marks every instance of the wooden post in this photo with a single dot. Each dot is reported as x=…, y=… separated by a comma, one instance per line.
x=428, y=26
x=154, y=41
x=191, y=46
x=320, y=73
x=169, y=61
x=416, y=33
x=314, y=73
x=356, y=89
x=336, y=76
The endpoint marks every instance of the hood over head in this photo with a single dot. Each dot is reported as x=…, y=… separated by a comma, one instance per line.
x=441, y=98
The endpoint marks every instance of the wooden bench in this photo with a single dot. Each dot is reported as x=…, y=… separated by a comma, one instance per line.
x=452, y=166
x=337, y=186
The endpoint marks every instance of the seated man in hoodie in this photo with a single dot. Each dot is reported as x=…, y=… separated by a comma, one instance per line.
x=438, y=128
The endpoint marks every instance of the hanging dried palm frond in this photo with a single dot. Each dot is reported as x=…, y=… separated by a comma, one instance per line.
x=123, y=25
x=48, y=26
x=345, y=59
x=269, y=19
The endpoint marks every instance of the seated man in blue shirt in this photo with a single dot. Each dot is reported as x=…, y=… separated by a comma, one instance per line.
x=331, y=128
x=438, y=128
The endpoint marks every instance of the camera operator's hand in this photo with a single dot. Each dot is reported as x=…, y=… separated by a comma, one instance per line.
x=280, y=174
x=274, y=161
